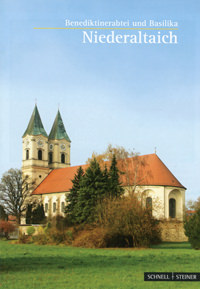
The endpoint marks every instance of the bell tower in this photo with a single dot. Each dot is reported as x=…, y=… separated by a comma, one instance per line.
x=35, y=149
x=59, y=145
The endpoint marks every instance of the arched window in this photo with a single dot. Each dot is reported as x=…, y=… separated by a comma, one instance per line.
x=172, y=208
x=149, y=204
x=63, y=207
x=50, y=157
x=27, y=154
x=46, y=207
x=40, y=155
x=54, y=207
x=62, y=158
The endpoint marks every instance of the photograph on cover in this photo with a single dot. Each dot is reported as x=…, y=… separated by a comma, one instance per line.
x=99, y=147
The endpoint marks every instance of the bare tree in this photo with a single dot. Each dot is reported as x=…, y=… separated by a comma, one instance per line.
x=130, y=165
x=15, y=191
x=193, y=205
x=190, y=205
x=197, y=204
x=119, y=152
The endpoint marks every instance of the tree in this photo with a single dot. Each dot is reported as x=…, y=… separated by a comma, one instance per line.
x=15, y=192
x=72, y=197
x=114, y=183
x=119, y=152
x=3, y=215
x=193, y=205
x=38, y=215
x=6, y=227
x=92, y=190
x=29, y=214
x=197, y=204
x=129, y=164
x=106, y=181
x=192, y=229
x=35, y=213
x=87, y=190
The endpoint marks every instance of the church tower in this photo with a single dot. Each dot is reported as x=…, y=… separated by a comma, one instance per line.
x=35, y=149
x=59, y=145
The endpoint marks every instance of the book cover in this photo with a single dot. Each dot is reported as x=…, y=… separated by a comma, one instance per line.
x=124, y=73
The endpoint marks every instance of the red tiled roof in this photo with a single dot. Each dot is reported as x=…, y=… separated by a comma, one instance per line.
x=142, y=170
x=190, y=212
x=12, y=219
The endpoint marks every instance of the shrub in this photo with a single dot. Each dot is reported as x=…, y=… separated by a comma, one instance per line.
x=93, y=238
x=47, y=227
x=128, y=223
x=69, y=235
x=59, y=222
x=56, y=236
x=6, y=227
x=40, y=230
x=30, y=231
x=23, y=239
x=53, y=236
x=40, y=239
x=192, y=229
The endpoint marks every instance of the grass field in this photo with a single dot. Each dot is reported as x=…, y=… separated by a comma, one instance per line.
x=55, y=267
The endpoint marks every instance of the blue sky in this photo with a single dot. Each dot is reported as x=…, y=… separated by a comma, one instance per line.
x=136, y=96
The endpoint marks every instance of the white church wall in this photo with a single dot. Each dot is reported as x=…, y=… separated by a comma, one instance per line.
x=179, y=195
x=160, y=200
x=157, y=195
x=54, y=202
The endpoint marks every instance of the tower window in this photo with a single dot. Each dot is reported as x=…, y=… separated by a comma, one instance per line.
x=62, y=158
x=50, y=157
x=54, y=207
x=172, y=208
x=40, y=155
x=27, y=154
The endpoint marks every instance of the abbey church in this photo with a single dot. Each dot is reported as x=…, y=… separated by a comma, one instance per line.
x=46, y=159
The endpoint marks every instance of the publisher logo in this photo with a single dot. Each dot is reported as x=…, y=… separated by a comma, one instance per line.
x=171, y=276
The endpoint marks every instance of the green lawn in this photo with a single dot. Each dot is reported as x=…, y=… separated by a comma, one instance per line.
x=55, y=267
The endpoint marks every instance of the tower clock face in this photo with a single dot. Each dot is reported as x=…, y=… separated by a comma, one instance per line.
x=51, y=146
x=40, y=143
x=27, y=143
x=63, y=147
